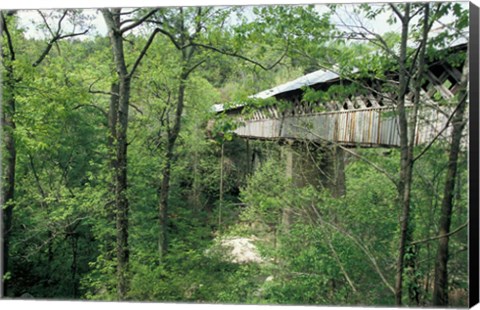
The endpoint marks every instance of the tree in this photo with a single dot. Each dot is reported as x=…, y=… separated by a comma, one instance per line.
x=440, y=288
x=197, y=34
x=411, y=67
x=116, y=31
x=9, y=61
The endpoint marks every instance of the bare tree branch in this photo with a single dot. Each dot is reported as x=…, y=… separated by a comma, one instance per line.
x=453, y=29
x=459, y=228
x=143, y=52
x=360, y=245
x=342, y=268
x=138, y=22
x=199, y=25
x=90, y=90
x=126, y=13
x=70, y=35
x=37, y=179
x=441, y=131
x=127, y=21
x=234, y=54
x=396, y=11
x=93, y=106
x=9, y=38
x=136, y=108
x=46, y=23
x=417, y=83
x=172, y=38
x=110, y=19
x=191, y=69
x=44, y=54
x=56, y=36
x=59, y=24
x=417, y=12
x=424, y=40
x=52, y=33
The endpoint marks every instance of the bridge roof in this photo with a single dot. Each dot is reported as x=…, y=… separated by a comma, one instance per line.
x=320, y=76
x=313, y=78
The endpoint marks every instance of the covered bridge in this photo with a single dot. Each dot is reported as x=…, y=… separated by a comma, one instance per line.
x=367, y=119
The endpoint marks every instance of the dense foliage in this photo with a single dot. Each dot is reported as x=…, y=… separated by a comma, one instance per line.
x=316, y=246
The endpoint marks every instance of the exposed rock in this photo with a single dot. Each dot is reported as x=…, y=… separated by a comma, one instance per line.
x=241, y=250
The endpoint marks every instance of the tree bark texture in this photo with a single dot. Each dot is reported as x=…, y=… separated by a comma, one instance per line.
x=10, y=157
x=440, y=288
x=289, y=170
x=121, y=200
x=119, y=127
x=111, y=145
x=404, y=184
x=412, y=251
x=164, y=190
x=8, y=188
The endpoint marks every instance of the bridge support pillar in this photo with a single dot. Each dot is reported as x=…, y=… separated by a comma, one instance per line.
x=319, y=165
x=310, y=164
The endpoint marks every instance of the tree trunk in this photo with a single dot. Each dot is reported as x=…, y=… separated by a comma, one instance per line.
x=412, y=251
x=166, y=173
x=8, y=189
x=440, y=287
x=287, y=215
x=115, y=32
x=404, y=184
x=411, y=272
x=220, y=204
x=10, y=158
x=121, y=200
x=112, y=157
x=164, y=191
x=112, y=123
x=74, y=266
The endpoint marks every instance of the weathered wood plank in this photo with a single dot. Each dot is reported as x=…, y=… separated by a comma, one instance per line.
x=363, y=127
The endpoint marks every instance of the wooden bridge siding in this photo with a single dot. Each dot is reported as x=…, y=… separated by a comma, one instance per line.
x=371, y=127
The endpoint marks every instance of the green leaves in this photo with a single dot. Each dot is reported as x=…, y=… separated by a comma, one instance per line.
x=266, y=194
